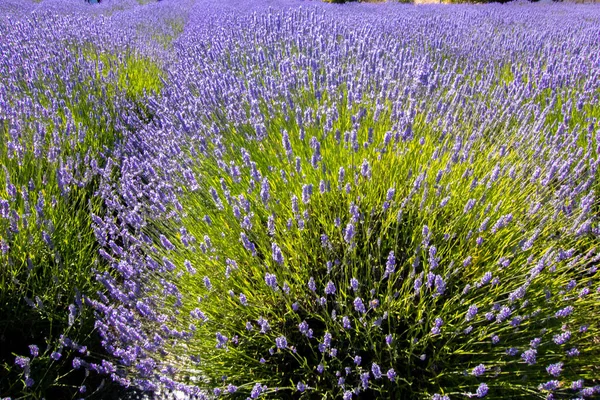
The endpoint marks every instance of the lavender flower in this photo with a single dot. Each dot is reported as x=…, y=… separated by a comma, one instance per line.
x=391, y=374
x=346, y=323
x=265, y=190
x=34, y=350
x=388, y=339
x=330, y=288
x=349, y=233
x=221, y=340
x=562, y=338
x=376, y=370
x=22, y=362
x=277, y=255
x=479, y=370
x=565, y=312
x=312, y=285
x=555, y=369
x=390, y=265
x=482, y=390
x=529, y=356
x=471, y=312
x=281, y=342
x=307, y=191
x=364, y=379
x=359, y=305
x=550, y=385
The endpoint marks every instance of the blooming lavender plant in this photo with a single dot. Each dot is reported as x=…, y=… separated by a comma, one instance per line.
x=501, y=130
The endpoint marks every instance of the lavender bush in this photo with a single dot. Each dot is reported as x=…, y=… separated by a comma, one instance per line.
x=349, y=214
x=71, y=88
x=359, y=201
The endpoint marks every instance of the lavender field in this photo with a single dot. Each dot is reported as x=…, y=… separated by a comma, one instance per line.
x=287, y=199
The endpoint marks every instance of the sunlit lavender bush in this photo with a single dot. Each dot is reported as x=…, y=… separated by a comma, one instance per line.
x=358, y=201
x=339, y=204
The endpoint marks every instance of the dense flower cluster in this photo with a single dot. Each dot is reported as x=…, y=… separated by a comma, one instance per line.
x=325, y=201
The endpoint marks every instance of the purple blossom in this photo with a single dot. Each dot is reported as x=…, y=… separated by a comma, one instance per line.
x=550, y=385
x=231, y=388
x=221, y=340
x=376, y=370
x=207, y=282
x=574, y=352
x=346, y=323
x=265, y=191
x=34, y=350
x=390, y=265
x=391, y=374
x=166, y=243
x=312, y=285
x=271, y=281
x=512, y=351
x=365, y=169
x=562, y=338
x=277, y=255
x=555, y=369
x=248, y=245
x=359, y=305
x=388, y=339
x=307, y=191
x=482, y=390
x=303, y=327
x=565, y=312
x=330, y=288
x=281, y=342
x=22, y=362
x=503, y=314
x=479, y=370
x=364, y=379
x=471, y=312
x=256, y=391
x=349, y=233
x=529, y=356
x=578, y=384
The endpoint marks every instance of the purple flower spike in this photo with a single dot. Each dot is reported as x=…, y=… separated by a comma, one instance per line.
x=482, y=390
x=330, y=288
x=479, y=370
x=271, y=281
x=277, y=254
